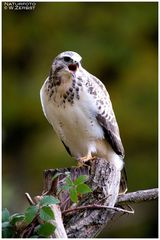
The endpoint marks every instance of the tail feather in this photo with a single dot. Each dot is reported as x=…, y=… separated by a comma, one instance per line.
x=123, y=182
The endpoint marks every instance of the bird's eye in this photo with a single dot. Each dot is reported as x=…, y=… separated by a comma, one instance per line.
x=67, y=59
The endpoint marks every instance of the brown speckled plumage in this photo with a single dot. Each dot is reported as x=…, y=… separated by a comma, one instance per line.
x=78, y=106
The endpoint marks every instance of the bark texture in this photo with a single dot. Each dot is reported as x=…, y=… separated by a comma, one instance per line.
x=138, y=196
x=94, y=210
x=104, y=179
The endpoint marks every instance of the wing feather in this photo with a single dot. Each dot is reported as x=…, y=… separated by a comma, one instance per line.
x=67, y=148
x=105, y=115
x=111, y=133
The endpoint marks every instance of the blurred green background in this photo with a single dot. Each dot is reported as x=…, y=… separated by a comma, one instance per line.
x=118, y=43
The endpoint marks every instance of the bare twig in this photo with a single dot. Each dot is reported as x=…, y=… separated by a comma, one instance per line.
x=96, y=206
x=31, y=202
x=139, y=196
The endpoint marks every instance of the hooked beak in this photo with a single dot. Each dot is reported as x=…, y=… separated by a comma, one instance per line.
x=73, y=67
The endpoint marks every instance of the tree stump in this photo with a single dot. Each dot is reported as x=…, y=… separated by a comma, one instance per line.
x=104, y=180
x=95, y=210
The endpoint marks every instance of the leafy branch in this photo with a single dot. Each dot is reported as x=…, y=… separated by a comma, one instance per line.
x=42, y=210
x=76, y=188
x=35, y=222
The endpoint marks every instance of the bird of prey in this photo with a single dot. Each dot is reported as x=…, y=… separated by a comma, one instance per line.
x=78, y=107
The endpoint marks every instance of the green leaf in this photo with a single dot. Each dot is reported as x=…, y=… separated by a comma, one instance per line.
x=5, y=215
x=69, y=181
x=46, y=229
x=16, y=218
x=46, y=213
x=47, y=200
x=63, y=187
x=7, y=230
x=73, y=195
x=81, y=179
x=6, y=224
x=30, y=213
x=83, y=188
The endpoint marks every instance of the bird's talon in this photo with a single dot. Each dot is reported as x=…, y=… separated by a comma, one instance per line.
x=81, y=161
x=81, y=164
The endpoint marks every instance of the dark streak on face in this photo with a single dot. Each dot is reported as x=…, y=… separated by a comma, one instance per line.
x=58, y=69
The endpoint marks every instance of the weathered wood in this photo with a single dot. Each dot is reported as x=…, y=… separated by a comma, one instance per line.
x=104, y=179
x=58, y=223
x=138, y=196
x=95, y=210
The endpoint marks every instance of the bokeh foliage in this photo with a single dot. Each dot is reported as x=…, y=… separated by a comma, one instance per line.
x=118, y=43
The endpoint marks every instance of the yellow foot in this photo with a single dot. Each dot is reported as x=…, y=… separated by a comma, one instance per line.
x=82, y=160
x=81, y=164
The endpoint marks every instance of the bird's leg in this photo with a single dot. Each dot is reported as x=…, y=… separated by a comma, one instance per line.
x=82, y=160
x=81, y=163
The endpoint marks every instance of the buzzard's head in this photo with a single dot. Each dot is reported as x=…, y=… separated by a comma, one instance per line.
x=67, y=61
